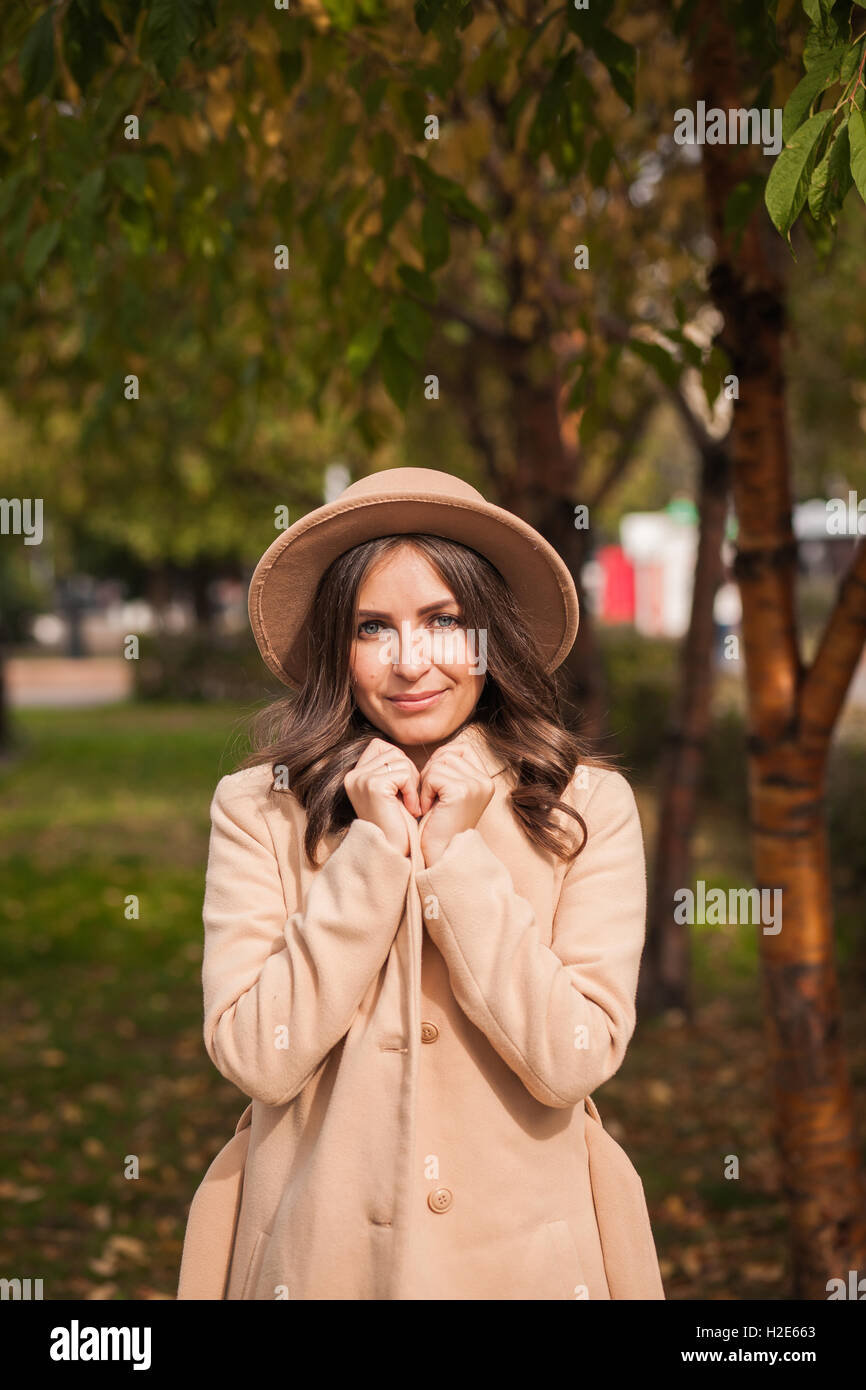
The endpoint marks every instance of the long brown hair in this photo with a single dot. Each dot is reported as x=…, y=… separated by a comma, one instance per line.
x=314, y=736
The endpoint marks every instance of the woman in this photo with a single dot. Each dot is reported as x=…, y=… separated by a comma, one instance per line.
x=424, y=915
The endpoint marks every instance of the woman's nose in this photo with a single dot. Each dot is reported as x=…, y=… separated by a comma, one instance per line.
x=411, y=651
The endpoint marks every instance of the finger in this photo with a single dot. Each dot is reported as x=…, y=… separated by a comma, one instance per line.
x=408, y=785
x=441, y=775
x=456, y=761
x=471, y=756
x=376, y=748
x=399, y=774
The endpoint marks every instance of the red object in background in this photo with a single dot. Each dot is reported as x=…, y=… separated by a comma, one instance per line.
x=617, y=594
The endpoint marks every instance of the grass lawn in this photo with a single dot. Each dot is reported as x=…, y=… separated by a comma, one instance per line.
x=104, y=1061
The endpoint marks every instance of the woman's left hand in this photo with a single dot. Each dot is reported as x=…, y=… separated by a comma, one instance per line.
x=455, y=780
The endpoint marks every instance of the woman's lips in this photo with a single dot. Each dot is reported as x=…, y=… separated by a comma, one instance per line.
x=410, y=705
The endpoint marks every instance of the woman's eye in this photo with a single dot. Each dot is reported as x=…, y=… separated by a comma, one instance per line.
x=449, y=618
x=371, y=622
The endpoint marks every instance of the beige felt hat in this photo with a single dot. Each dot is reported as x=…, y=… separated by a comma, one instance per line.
x=393, y=502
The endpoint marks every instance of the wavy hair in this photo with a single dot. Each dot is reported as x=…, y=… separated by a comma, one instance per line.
x=315, y=736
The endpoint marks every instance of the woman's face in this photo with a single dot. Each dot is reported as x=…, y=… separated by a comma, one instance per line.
x=414, y=667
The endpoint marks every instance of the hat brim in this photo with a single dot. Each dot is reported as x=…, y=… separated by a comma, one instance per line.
x=285, y=579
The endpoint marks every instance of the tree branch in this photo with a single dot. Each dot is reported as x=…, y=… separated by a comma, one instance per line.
x=826, y=681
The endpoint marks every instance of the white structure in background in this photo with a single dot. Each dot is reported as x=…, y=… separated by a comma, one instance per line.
x=727, y=605
x=662, y=547
x=337, y=479
x=810, y=520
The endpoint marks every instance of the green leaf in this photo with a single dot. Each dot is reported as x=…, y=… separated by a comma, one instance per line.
x=333, y=263
x=371, y=252
x=169, y=31
x=415, y=110
x=741, y=203
x=541, y=129
x=832, y=177
x=373, y=95
x=851, y=61
x=383, y=148
x=607, y=375
x=360, y=351
x=691, y=352
x=8, y=190
x=425, y=14
x=789, y=179
x=137, y=227
x=515, y=108
x=599, y=159
x=682, y=18
x=372, y=428
x=15, y=220
x=412, y=325
x=89, y=190
x=341, y=12
x=591, y=422
x=713, y=373
x=418, y=283
x=818, y=10
x=291, y=65
x=656, y=356
x=338, y=151
x=857, y=137
x=820, y=42
x=435, y=235
x=817, y=79
x=36, y=57
x=130, y=174
x=39, y=248
x=86, y=35
x=577, y=394
x=620, y=59
x=398, y=196
x=447, y=191
x=586, y=23
x=398, y=371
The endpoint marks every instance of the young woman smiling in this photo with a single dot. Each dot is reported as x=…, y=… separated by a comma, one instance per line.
x=424, y=915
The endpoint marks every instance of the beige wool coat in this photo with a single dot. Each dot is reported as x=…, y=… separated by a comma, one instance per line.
x=419, y=1046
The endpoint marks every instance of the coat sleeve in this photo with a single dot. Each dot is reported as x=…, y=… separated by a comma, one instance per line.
x=560, y=1016
x=280, y=993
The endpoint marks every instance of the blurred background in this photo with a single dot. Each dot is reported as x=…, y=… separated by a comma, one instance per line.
x=251, y=255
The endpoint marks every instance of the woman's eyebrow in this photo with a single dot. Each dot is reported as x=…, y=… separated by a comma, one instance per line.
x=428, y=608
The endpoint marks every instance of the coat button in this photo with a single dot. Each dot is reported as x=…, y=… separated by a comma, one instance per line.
x=429, y=1032
x=439, y=1199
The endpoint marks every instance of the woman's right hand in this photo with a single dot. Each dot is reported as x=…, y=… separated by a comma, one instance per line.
x=373, y=790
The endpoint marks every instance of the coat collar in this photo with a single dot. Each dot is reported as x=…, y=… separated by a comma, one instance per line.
x=475, y=734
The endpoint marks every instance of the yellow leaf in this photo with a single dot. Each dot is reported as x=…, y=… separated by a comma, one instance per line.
x=660, y=1092
x=220, y=110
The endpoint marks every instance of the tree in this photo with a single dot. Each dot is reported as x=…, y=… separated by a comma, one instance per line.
x=792, y=708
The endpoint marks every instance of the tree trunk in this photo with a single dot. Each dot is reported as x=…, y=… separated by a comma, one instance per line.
x=791, y=717
x=201, y=576
x=543, y=495
x=665, y=977
x=5, y=721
